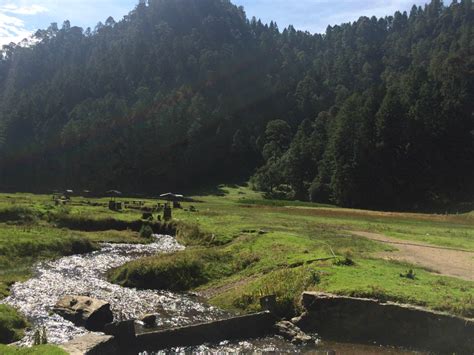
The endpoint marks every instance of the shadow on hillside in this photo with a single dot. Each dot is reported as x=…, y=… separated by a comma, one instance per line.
x=454, y=208
x=215, y=190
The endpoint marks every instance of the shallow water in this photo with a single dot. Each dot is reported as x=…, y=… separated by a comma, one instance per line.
x=277, y=345
x=85, y=275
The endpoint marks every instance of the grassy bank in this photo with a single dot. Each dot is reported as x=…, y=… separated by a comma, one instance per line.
x=11, y=325
x=36, y=350
x=32, y=229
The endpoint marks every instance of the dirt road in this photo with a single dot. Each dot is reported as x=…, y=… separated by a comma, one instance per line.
x=445, y=261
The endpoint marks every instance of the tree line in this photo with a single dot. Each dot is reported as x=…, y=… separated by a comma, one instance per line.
x=180, y=93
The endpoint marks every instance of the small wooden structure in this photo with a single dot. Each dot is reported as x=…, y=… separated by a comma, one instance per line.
x=174, y=198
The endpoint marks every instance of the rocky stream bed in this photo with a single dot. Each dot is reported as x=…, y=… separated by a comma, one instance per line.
x=85, y=275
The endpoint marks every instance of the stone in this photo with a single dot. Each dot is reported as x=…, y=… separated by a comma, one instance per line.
x=301, y=339
x=93, y=314
x=149, y=320
x=91, y=344
x=292, y=333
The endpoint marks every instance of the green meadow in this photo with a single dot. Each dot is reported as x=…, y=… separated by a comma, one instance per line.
x=260, y=247
x=242, y=247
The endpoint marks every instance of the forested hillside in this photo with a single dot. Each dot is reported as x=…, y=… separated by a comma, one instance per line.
x=180, y=93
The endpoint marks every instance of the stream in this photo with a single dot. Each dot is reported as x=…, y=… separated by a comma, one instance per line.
x=85, y=275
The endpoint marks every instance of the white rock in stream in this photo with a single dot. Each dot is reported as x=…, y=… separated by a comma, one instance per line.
x=85, y=275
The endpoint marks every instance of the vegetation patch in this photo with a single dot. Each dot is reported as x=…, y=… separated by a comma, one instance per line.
x=146, y=232
x=17, y=214
x=35, y=350
x=12, y=325
x=286, y=284
x=380, y=279
x=179, y=271
x=191, y=234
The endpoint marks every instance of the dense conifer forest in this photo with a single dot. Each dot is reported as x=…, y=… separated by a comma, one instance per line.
x=181, y=93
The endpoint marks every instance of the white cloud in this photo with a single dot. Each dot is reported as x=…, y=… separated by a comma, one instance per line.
x=23, y=10
x=12, y=27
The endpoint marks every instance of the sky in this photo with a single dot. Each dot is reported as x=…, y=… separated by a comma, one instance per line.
x=21, y=18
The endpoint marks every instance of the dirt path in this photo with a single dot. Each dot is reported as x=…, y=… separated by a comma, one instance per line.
x=445, y=261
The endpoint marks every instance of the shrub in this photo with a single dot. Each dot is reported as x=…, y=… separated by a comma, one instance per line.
x=410, y=274
x=146, y=231
x=12, y=325
x=344, y=262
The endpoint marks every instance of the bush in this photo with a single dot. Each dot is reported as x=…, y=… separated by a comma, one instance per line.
x=344, y=262
x=12, y=325
x=410, y=274
x=146, y=232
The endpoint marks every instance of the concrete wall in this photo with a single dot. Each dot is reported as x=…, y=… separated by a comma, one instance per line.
x=121, y=338
x=350, y=319
x=244, y=327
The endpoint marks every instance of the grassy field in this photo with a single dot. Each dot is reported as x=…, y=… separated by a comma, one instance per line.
x=242, y=247
x=262, y=247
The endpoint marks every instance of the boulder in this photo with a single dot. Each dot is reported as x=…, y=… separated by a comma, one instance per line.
x=84, y=311
x=149, y=320
x=291, y=332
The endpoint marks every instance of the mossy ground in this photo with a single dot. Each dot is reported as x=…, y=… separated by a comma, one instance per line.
x=242, y=246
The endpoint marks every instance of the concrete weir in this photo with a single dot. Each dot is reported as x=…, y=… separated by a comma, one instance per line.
x=361, y=320
x=338, y=318
x=121, y=338
x=244, y=327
